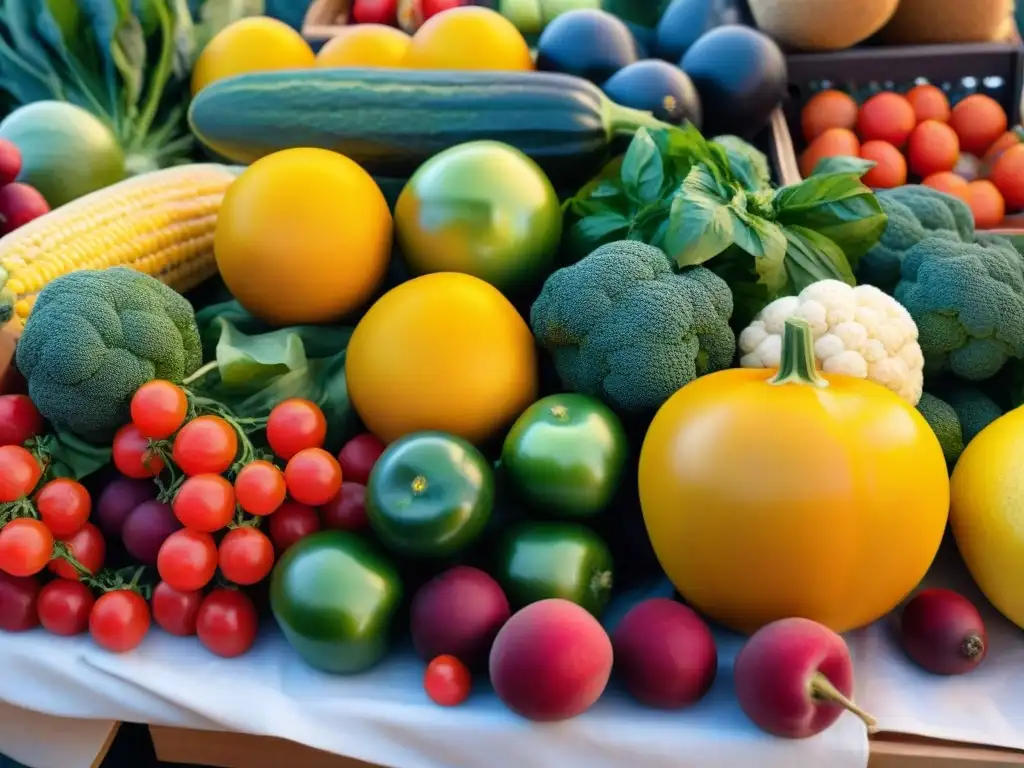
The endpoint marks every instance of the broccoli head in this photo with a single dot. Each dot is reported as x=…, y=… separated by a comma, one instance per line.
x=621, y=325
x=968, y=302
x=915, y=213
x=974, y=409
x=94, y=337
x=942, y=418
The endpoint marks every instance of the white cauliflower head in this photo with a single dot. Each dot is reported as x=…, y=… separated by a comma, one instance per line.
x=858, y=331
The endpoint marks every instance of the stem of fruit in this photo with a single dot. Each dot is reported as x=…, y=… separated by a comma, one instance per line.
x=972, y=647
x=823, y=690
x=796, y=365
x=625, y=120
x=199, y=373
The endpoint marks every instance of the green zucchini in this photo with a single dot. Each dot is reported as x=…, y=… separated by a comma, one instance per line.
x=391, y=120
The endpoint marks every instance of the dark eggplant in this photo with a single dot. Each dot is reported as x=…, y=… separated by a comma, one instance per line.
x=587, y=43
x=656, y=86
x=684, y=21
x=740, y=74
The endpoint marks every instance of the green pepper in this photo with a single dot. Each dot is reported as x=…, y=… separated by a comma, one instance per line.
x=565, y=455
x=335, y=597
x=430, y=495
x=541, y=560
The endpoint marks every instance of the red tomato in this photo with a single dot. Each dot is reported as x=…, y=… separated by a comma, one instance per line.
x=292, y=522
x=205, y=446
x=19, y=420
x=26, y=546
x=295, y=425
x=205, y=503
x=260, y=488
x=64, y=505
x=159, y=408
x=132, y=454
x=347, y=510
x=175, y=611
x=18, y=595
x=358, y=457
x=119, y=620
x=313, y=477
x=64, y=607
x=246, y=556
x=19, y=473
x=88, y=547
x=227, y=623
x=447, y=681
x=187, y=560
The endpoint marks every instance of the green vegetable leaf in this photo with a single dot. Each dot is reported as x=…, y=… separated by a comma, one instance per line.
x=105, y=18
x=593, y=231
x=643, y=170
x=128, y=51
x=836, y=205
x=251, y=361
x=811, y=257
x=19, y=17
x=701, y=224
x=843, y=164
x=766, y=242
x=20, y=79
x=69, y=456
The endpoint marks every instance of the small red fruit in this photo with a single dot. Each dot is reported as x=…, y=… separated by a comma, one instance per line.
x=19, y=417
x=886, y=117
x=358, y=457
x=291, y=523
x=347, y=510
x=20, y=204
x=794, y=678
x=375, y=12
x=64, y=607
x=943, y=632
x=447, y=681
x=10, y=162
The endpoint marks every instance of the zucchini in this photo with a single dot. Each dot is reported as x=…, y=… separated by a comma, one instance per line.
x=392, y=120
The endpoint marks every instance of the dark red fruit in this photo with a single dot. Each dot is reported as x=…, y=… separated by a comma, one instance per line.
x=943, y=632
x=18, y=596
x=19, y=417
x=10, y=162
x=347, y=510
x=20, y=204
x=358, y=456
x=292, y=522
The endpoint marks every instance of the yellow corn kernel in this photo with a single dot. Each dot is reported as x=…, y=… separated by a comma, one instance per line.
x=160, y=223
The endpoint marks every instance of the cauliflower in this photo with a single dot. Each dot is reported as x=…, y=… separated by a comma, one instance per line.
x=859, y=332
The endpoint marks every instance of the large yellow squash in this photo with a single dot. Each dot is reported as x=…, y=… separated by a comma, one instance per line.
x=792, y=494
x=987, y=512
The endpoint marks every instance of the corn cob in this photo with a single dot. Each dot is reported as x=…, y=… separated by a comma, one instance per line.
x=160, y=223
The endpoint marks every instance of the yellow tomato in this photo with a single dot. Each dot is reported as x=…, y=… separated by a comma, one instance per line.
x=445, y=351
x=303, y=236
x=365, y=45
x=253, y=44
x=469, y=37
x=824, y=497
x=987, y=513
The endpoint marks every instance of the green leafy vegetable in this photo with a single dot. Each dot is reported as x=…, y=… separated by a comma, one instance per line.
x=709, y=203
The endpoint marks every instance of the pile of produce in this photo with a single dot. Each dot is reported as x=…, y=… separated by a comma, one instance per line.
x=472, y=401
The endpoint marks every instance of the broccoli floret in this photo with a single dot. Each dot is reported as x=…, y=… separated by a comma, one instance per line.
x=748, y=163
x=94, y=337
x=621, y=325
x=915, y=213
x=974, y=409
x=968, y=302
x=942, y=418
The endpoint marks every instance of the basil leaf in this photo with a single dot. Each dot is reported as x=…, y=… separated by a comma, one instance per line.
x=591, y=232
x=248, y=362
x=843, y=164
x=811, y=257
x=701, y=223
x=836, y=205
x=766, y=242
x=749, y=166
x=643, y=170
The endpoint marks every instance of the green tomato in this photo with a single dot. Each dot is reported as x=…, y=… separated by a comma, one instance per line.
x=430, y=495
x=335, y=597
x=484, y=209
x=541, y=560
x=565, y=455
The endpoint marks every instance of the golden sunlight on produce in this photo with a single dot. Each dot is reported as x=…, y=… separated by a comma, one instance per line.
x=303, y=236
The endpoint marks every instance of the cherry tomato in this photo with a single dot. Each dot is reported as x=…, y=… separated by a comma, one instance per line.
x=64, y=505
x=260, y=488
x=187, y=560
x=347, y=510
x=133, y=456
x=205, y=503
x=19, y=420
x=295, y=425
x=447, y=681
x=18, y=595
x=26, y=546
x=159, y=409
x=205, y=446
x=227, y=623
x=119, y=620
x=175, y=611
x=358, y=456
x=246, y=556
x=292, y=522
x=64, y=607
x=88, y=547
x=19, y=473
x=313, y=477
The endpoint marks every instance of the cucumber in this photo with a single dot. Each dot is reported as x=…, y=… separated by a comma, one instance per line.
x=391, y=120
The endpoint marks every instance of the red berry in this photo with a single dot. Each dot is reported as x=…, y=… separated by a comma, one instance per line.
x=20, y=204
x=10, y=162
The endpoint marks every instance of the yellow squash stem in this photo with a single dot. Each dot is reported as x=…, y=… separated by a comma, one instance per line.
x=823, y=690
x=796, y=363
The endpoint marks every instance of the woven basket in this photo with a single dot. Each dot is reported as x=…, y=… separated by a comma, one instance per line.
x=822, y=25
x=918, y=22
